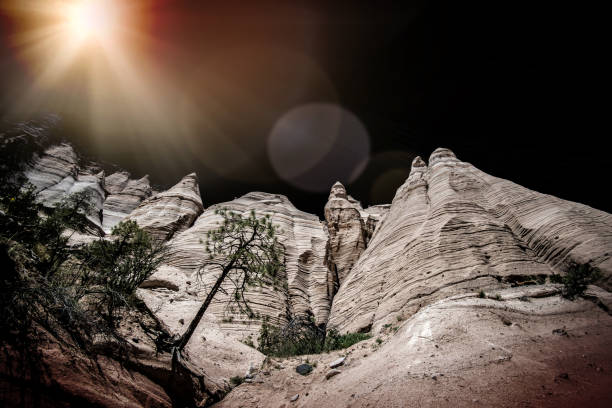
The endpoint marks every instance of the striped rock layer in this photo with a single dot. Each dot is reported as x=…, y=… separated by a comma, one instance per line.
x=178, y=288
x=454, y=229
x=171, y=211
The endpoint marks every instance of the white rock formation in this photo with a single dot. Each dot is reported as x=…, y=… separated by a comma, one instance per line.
x=459, y=352
x=56, y=174
x=347, y=234
x=454, y=229
x=306, y=294
x=123, y=196
x=170, y=212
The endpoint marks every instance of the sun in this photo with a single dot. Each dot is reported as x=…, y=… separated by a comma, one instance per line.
x=95, y=19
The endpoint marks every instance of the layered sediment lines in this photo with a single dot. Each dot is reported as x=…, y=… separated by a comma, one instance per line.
x=305, y=294
x=350, y=228
x=170, y=212
x=454, y=229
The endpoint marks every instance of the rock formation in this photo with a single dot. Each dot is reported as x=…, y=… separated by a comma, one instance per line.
x=452, y=278
x=123, y=196
x=349, y=228
x=454, y=229
x=170, y=212
x=57, y=174
x=180, y=288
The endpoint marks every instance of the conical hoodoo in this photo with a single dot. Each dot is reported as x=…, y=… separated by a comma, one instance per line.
x=454, y=286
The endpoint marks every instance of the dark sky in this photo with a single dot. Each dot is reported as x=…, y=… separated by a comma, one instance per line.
x=517, y=90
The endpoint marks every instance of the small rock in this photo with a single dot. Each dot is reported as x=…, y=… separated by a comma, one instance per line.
x=331, y=373
x=564, y=376
x=181, y=321
x=248, y=380
x=560, y=332
x=135, y=340
x=433, y=377
x=303, y=369
x=250, y=373
x=337, y=363
x=294, y=398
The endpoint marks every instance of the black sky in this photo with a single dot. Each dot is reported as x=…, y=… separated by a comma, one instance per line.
x=518, y=90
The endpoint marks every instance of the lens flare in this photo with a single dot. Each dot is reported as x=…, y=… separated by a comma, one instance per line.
x=92, y=18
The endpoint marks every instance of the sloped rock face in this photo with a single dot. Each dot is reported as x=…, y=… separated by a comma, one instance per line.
x=306, y=293
x=454, y=229
x=123, y=196
x=169, y=212
x=347, y=234
x=56, y=174
x=457, y=352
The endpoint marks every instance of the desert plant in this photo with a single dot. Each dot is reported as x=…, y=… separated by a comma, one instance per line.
x=236, y=380
x=112, y=269
x=336, y=341
x=299, y=336
x=578, y=277
x=246, y=252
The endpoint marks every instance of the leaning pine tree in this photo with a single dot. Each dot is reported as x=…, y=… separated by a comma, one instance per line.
x=246, y=252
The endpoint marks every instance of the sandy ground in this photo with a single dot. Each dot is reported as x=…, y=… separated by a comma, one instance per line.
x=546, y=352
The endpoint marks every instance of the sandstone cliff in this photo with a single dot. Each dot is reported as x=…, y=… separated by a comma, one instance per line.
x=410, y=272
x=454, y=229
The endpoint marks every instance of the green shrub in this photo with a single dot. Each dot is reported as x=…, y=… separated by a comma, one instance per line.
x=578, y=278
x=236, y=380
x=48, y=283
x=481, y=294
x=298, y=337
x=302, y=336
x=113, y=269
x=335, y=341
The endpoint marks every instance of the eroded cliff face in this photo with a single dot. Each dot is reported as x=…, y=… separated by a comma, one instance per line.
x=416, y=265
x=58, y=172
x=350, y=228
x=170, y=212
x=454, y=229
x=123, y=195
x=181, y=289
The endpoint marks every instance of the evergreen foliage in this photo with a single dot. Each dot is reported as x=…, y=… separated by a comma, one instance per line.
x=46, y=282
x=245, y=251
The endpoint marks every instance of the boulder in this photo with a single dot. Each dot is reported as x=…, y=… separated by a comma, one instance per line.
x=303, y=369
x=337, y=363
x=332, y=373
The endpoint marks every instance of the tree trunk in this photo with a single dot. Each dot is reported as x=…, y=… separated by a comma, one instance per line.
x=196, y=320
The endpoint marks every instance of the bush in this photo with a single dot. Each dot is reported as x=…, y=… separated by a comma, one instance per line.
x=236, y=380
x=578, y=278
x=302, y=336
x=335, y=341
x=298, y=337
x=113, y=269
x=45, y=282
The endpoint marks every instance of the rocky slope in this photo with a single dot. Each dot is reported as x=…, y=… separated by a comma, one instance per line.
x=179, y=290
x=530, y=348
x=410, y=272
x=123, y=195
x=454, y=229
